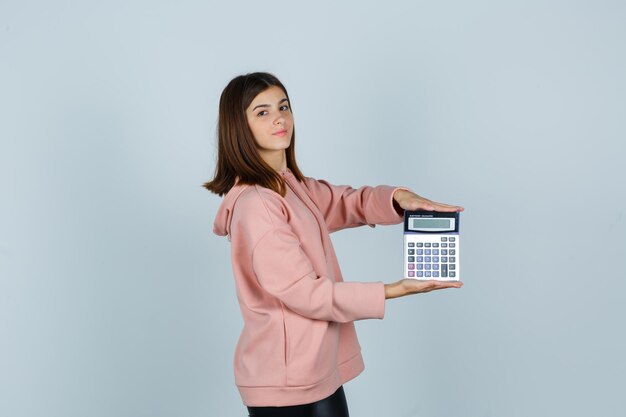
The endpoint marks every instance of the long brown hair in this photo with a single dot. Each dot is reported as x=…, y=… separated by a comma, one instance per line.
x=237, y=154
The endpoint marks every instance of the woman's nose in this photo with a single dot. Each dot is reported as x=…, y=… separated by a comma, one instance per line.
x=280, y=119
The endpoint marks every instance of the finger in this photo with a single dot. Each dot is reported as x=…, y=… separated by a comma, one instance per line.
x=418, y=205
x=432, y=285
x=425, y=205
x=439, y=285
x=422, y=203
x=447, y=207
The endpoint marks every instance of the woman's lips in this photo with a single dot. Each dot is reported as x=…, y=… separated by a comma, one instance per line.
x=280, y=132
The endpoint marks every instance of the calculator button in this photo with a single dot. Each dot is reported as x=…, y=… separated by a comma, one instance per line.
x=420, y=251
x=420, y=274
x=452, y=267
x=452, y=239
x=435, y=259
x=444, y=245
x=452, y=245
x=420, y=244
x=427, y=259
x=427, y=274
x=452, y=259
x=444, y=274
x=426, y=251
x=435, y=267
x=435, y=245
x=420, y=259
x=444, y=239
x=435, y=251
x=444, y=268
x=452, y=252
x=435, y=274
x=411, y=251
x=427, y=267
x=411, y=258
x=427, y=245
x=444, y=251
x=420, y=266
x=444, y=259
x=452, y=274
x=411, y=273
x=411, y=244
x=411, y=266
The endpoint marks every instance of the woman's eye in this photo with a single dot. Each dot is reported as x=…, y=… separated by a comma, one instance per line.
x=284, y=107
x=262, y=113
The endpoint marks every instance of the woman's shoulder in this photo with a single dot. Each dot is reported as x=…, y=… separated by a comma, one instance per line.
x=250, y=209
x=255, y=195
x=256, y=202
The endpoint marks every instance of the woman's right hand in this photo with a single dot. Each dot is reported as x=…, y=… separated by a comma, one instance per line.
x=414, y=286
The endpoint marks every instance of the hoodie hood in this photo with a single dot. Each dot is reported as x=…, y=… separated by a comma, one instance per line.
x=221, y=225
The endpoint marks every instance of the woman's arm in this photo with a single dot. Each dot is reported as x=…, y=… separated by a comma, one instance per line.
x=266, y=248
x=343, y=206
x=283, y=270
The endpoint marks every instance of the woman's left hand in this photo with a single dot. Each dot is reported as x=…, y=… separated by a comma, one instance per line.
x=408, y=200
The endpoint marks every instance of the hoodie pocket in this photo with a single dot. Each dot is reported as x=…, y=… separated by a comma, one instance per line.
x=285, y=338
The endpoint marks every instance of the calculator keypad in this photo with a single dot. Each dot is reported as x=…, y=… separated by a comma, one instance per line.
x=438, y=258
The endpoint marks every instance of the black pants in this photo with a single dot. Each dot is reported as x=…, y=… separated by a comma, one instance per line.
x=333, y=406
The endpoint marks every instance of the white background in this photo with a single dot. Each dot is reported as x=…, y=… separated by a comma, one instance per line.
x=117, y=300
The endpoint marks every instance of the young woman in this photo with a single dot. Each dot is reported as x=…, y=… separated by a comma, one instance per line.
x=298, y=345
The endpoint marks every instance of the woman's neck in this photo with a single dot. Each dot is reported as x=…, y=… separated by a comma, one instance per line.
x=276, y=159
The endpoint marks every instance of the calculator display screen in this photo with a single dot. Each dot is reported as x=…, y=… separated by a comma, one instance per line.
x=420, y=224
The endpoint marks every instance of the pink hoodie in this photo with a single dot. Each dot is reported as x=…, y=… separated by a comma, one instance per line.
x=298, y=344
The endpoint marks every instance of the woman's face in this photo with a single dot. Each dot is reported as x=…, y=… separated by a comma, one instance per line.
x=270, y=120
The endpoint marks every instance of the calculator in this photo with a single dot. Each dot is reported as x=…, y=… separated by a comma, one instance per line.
x=431, y=245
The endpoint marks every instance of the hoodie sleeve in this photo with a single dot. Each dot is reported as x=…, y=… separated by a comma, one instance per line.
x=344, y=206
x=284, y=270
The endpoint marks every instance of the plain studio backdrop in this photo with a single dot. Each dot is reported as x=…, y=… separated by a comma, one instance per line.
x=116, y=299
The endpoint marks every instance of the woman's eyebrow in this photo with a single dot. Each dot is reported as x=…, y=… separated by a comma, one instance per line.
x=260, y=105
x=267, y=105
